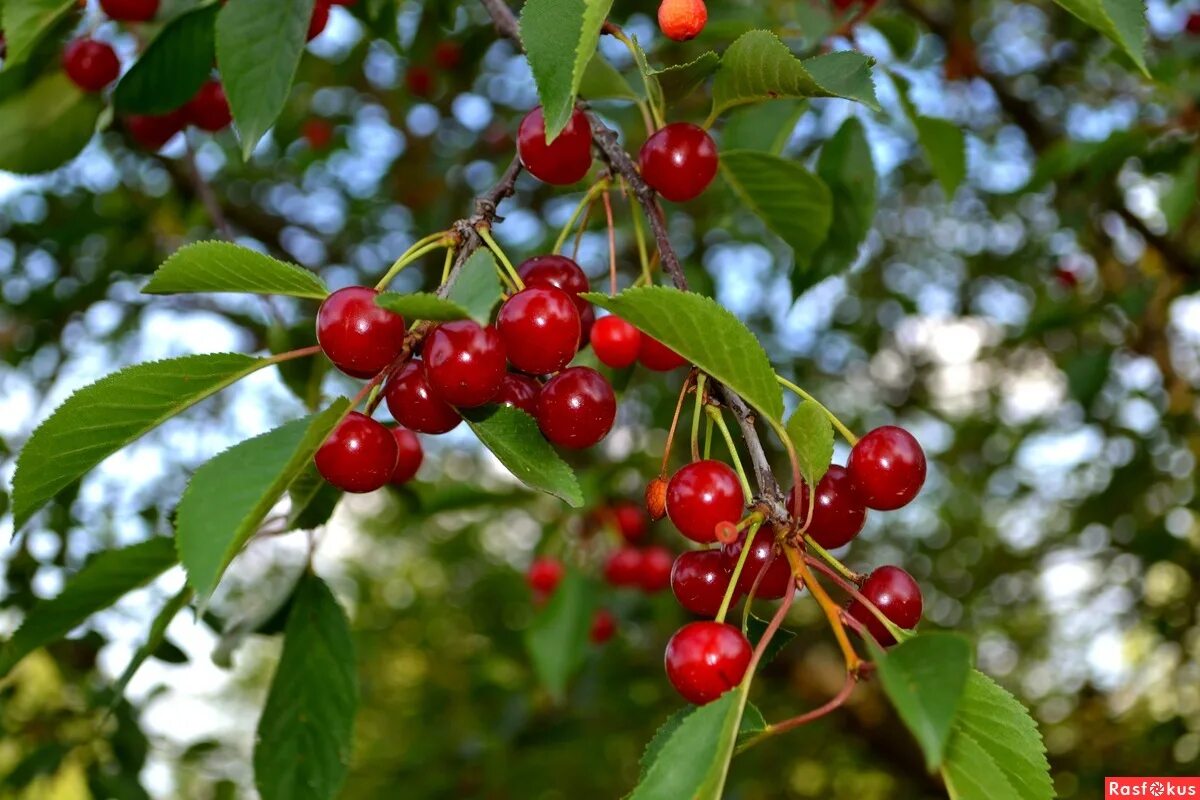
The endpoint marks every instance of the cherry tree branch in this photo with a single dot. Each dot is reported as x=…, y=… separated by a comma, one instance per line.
x=467, y=230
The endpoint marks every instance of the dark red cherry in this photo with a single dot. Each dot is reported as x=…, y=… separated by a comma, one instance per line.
x=318, y=133
x=576, y=408
x=616, y=342
x=318, y=20
x=604, y=626
x=655, y=355
x=679, y=161
x=464, y=362
x=90, y=64
x=564, y=161
x=630, y=520
x=706, y=659
x=419, y=80
x=358, y=456
x=702, y=494
x=587, y=321
x=447, y=55
x=887, y=467
x=409, y=455
x=209, y=109
x=624, y=567
x=152, y=131
x=359, y=337
x=544, y=574
x=838, y=513
x=656, y=569
x=896, y=594
x=764, y=557
x=130, y=10
x=540, y=329
x=557, y=271
x=413, y=403
x=520, y=391
x=699, y=580
x=1193, y=24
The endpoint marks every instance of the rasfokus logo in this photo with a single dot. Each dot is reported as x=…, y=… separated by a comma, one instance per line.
x=1151, y=787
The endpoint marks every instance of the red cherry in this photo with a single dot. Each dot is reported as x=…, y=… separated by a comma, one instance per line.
x=896, y=594
x=616, y=342
x=624, y=567
x=447, y=55
x=838, y=514
x=318, y=133
x=409, y=455
x=519, y=391
x=544, y=574
x=654, y=355
x=564, y=161
x=464, y=362
x=540, y=329
x=152, y=131
x=358, y=456
x=576, y=408
x=1193, y=24
x=656, y=569
x=587, y=320
x=706, y=659
x=763, y=557
x=699, y=580
x=630, y=520
x=419, y=80
x=319, y=19
x=887, y=467
x=359, y=337
x=130, y=10
x=682, y=19
x=557, y=271
x=679, y=161
x=90, y=64
x=604, y=626
x=209, y=109
x=701, y=495
x=413, y=403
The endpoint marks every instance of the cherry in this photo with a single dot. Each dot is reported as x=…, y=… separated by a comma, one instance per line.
x=654, y=355
x=409, y=455
x=413, y=403
x=540, y=329
x=630, y=521
x=565, y=160
x=557, y=271
x=682, y=19
x=358, y=456
x=763, y=557
x=838, y=514
x=1193, y=24
x=896, y=594
x=576, y=408
x=152, y=131
x=701, y=495
x=656, y=569
x=679, y=161
x=319, y=19
x=624, y=567
x=318, y=133
x=706, y=659
x=447, y=55
x=587, y=320
x=464, y=362
x=699, y=580
x=130, y=10
x=419, y=80
x=359, y=337
x=887, y=467
x=209, y=109
x=604, y=626
x=519, y=391
x=616, y=342
x=90, y=64
x=544, y=574
x=656, y=498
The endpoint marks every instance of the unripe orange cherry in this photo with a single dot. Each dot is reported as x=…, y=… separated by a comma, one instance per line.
x=682, y=19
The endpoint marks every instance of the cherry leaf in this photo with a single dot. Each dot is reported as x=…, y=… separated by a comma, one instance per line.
x=172, y=67
x=558, y=638
x=514, y=438
x=227, y=267
x=47, y=124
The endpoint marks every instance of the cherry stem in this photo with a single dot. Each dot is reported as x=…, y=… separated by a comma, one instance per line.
x=656, y=121
x=584, y=203
x=833, y=612
x=851, y=589
x=498, y=251
x=639, y=234
x=835, y=703
x=737, y=571
x=369, y=389
x=419, y=248
x=793, y=459
x=587, y=217
x=837, y=423
x=769, y=633
x=675, y=422
x=291, y=354
x=612, y=242
x=708, y=436
x=700, y=381
x=845, y=571
x=449, y=262
x=714, y=413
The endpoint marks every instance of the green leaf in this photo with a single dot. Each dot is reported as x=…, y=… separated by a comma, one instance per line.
x=846, y=167
x=313, y=500
x=514, y=438
x=655, y=745
x=1122, y=21
x=25, y=22
x=100, y=583
x=227, y=267
x=811, y=433
x=557, y=639
x=46, y=125
x=758, y=66
x=756, y=627
x=654, y=92
x=173, y=66
x=259, y=44
x=680, y=80
x=995, y=751
x=307, y=726
x=766, y=127
x=753, y=722
x=154, y=639
x=421, y=305
x=924, y=677
x=477, y=288
x=945, y=147
x=229, y=496
x=901, y=32
x=705, y=334
x=795, y=204
x=1179, y=201
x=560, y=38
x=601, y=81
x=100, y=419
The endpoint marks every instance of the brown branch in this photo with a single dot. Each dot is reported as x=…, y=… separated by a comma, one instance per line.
x=467, y=230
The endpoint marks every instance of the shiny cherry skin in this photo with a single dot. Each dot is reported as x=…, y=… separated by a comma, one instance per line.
x=540, y=329
x=604, y=626
x=624, y=567
x=682, y=20
x=209, y=109
x=777, y=573
x=130, y=10
x=409, y=455
x=465, y=362
x=887, y=467
x=318, y=20
x=90, y=64
x=630, y=520
x=699, y=580
x=152, y=131
x=838, y=513
x=544, y=574
x=656, y=356
x=702, y=494
x=359, y=337
x=679, y=161
x=358, y=456
x=616, y=342
x=557, y=271
x=519, y=391
x=414, y=405
x=656, y=569
x=896, y=594
x=706, y=659
x=564, y=161
x=577, y=408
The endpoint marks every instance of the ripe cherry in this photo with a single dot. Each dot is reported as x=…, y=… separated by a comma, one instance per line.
x=464, y=362
x=557, y=271
x=587, y=321
x=358, y=456
x=519, y=391
x=887, y=467
x=699, y=580
x=896, y=594
x=630, y=521
x=604, y=626
x=540, y=329
x=838, y=513
x=682, y=19
x=616, y=342
x=318, y=133
x=130, y=10
x=544, y=574
x=318, y=20
x=1193, y=24
x=409, y=455
x=624, y=567
x=679, y=161
x=419, y=80
x=90, y=64
x=576, y=408
x=706, y=659
x=702, y=494
x=656, y=569
x=654, y=355
x=764, y=558
x=359, y=337
x=413, y=403
x=565, y=160
x=209, y=109
x=447, y=55
x=152, y=131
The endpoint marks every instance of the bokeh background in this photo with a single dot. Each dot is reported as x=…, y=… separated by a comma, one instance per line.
x=1039, y=331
